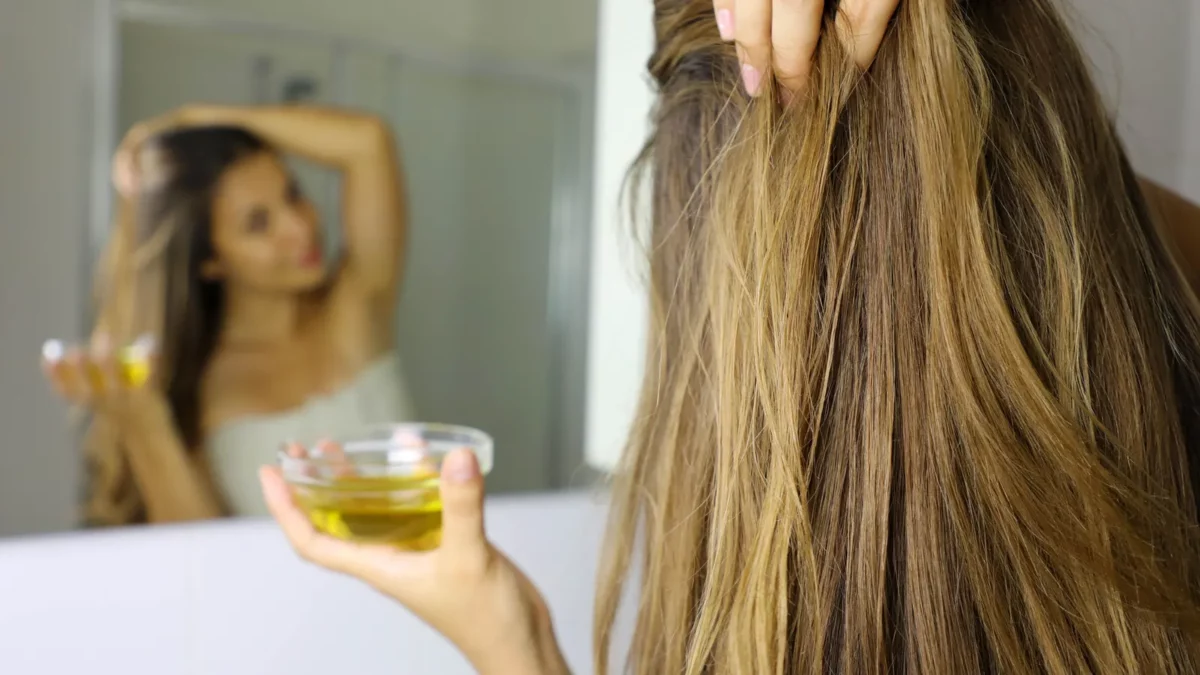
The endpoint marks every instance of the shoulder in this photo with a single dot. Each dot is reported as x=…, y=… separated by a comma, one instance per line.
x=1178, y=221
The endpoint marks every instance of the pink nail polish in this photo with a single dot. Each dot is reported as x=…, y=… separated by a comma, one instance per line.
x=725, y=24
x=460, y=467
x=751, y=79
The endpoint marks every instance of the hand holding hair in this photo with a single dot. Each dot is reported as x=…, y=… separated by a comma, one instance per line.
x=781, y=36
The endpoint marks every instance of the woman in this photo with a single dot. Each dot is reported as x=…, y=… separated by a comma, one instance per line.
x=217, y=256
x=925, y=379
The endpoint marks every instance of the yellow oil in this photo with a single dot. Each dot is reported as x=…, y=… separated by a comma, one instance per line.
x=403, y=511
x=134, y=367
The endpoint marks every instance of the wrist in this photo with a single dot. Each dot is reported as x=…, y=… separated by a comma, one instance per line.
x=552, y=659
x=541, y=656
x=143, y=413
x=527, y=664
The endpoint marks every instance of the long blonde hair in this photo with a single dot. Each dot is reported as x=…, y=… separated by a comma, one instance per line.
x=922, y=392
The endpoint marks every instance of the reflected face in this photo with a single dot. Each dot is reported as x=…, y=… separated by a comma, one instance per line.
x=265, y=232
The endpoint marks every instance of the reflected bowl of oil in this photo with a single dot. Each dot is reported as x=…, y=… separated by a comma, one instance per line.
x=382, y=485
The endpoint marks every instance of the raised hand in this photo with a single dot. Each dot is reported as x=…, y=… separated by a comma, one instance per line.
x=781, y=36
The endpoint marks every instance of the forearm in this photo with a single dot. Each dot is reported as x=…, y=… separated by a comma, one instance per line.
x=325, y=135
x=171, y=484
x=541, y=656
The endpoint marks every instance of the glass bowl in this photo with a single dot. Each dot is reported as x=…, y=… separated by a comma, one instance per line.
x=382, y=485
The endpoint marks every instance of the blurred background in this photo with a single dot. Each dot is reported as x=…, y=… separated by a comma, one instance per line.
x=518, y=314
x=522, y=311
x=494, y=129
x=494, y=119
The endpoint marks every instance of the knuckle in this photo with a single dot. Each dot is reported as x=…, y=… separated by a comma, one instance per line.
x=865, y=16
x=789, y=65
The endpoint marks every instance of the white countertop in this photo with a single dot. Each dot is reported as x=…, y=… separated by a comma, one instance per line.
x=230, y=598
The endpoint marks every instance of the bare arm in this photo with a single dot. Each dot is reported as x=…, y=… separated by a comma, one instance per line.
x=1179, y=222
x=175, y=486
x=172, y=484
x=360, y=146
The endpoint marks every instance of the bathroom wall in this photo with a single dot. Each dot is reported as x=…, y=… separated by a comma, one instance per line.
x=617, y=309
x=45, y=71
x=1190, y=177
x=538, y=30
x=1147, y=64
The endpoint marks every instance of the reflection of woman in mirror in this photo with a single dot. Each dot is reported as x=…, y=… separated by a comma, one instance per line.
x=218, y=255
x=923, y=392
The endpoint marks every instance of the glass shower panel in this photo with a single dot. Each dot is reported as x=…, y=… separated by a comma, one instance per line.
x=479, y=151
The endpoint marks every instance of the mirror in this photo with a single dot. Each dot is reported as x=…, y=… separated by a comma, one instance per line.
x=492, y=128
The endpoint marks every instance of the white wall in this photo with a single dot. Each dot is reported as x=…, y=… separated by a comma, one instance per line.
x=44, y=157
x=618, y=307
x=1146, y=64
x=1147, y=56
x=1190, y=178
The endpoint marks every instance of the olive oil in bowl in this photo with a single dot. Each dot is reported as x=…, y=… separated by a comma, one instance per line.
x=405, y=511
x=382, y=486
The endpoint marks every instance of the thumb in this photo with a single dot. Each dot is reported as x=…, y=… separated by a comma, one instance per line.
x=462, y=505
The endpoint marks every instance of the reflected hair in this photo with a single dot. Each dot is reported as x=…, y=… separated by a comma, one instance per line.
x=922, y=386
x=150, y=283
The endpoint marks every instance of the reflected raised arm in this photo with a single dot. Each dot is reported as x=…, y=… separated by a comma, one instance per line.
x=360, y=146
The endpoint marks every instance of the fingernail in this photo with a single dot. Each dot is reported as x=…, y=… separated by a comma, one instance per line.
x=409, y=439
x=270, y=486
x=144, y=345
x=725, y=24
x=102, y=345
x=53, y=350
x=751, y=79
x=461, y=467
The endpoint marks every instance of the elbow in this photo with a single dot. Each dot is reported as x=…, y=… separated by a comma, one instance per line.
x=375, y=136
x=197, y=508
x=178, y=516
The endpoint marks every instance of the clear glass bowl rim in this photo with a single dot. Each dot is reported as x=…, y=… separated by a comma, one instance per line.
x=361, y=442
